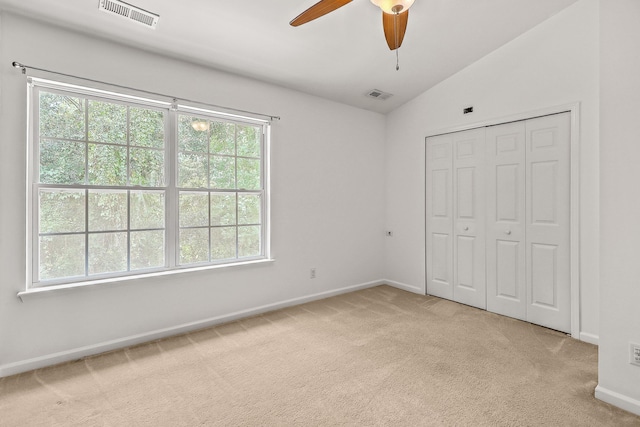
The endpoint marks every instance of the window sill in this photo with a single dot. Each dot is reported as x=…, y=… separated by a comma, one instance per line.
x=47, y=290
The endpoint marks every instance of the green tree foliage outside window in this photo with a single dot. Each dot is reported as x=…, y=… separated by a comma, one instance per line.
x=102, y=181
x=219, y=180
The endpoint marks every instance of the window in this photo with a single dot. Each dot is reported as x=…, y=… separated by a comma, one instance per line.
x=123, y=186
x=219, y=190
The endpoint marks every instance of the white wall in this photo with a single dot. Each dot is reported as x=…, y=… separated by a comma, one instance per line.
x=618, y=381
x=327, y=204
x=555, y=63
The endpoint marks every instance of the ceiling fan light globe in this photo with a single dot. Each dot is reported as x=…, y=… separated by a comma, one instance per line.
x=200, y=126
x=393, y=6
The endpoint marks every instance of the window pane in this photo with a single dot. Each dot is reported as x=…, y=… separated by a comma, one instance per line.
x=192, y=170
x=61, y=162
x=223, y=209
x=249, y=141
x=147, y=209
x=147, y=167
x=107, y=122
x=147, y=249
x=190, y=138
x=248, y=241
x=111, y=168
x=146, y=127
x=194, y=209
x=248, y=209
x=107, y=210
x=223, y=243
x=223, y=172
x=249, y=174
x=194, y=245
x=61, y=256
x=107, y=165
x=107, y=253
x=61, y=116
x=223, y=138
x=61, y=211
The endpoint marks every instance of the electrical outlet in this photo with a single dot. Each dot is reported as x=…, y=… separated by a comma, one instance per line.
x=634, y=354
x=312, y=273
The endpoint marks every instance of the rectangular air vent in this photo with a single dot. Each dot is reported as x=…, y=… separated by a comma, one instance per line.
x=129, y=12
x=378, y=94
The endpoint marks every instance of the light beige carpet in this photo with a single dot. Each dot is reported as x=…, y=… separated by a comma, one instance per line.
x=380, y=356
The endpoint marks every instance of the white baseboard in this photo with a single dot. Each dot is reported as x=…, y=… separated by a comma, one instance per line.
x=590, y=338
x=620, y=400
x=404, y=287
x=81, y=352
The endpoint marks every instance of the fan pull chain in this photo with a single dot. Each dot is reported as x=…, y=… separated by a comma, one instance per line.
x=395, y=28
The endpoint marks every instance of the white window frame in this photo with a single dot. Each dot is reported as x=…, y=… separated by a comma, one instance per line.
x=171, y=110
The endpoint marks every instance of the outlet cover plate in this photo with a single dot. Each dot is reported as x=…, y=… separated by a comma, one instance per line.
x=634, y=354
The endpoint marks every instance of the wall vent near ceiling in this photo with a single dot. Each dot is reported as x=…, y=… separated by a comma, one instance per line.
x=130, y=12
x=378, y=94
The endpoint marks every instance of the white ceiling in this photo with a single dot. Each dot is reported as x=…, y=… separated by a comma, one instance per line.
x=340, y=56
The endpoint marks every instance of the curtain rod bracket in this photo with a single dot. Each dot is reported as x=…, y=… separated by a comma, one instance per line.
x=19, y=65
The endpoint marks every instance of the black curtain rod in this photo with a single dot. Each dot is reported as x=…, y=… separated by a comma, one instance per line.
x=24, y=67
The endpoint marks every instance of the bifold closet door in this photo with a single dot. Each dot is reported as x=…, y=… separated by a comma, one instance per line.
x=528, y=214
x=455, y=217
x=548, y=221
x=506, y=220
x=469, y=265
x=439, y=213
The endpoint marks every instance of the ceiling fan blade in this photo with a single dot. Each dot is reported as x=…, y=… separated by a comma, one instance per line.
x=317, y=10
x=394, y=28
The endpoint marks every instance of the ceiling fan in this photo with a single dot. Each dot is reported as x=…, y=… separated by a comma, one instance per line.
x=395, y=14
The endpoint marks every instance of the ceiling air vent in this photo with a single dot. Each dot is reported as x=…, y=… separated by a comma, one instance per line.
x=378, y=94
x=130, y=12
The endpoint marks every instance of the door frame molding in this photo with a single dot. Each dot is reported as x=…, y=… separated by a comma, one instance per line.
x=574, y=207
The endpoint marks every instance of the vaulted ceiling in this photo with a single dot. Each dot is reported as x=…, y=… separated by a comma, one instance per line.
x=340, y=56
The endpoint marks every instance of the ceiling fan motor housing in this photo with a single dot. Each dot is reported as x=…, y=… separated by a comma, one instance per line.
x=393, y=6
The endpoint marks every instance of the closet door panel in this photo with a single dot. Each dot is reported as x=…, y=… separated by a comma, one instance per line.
x=469, y=217
x=508, y=181
x=544, y=275
x=441, y=248
x=507, y=270
x=464, y=259
x=548, y=216
x=439, y=216
x=506, y=171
